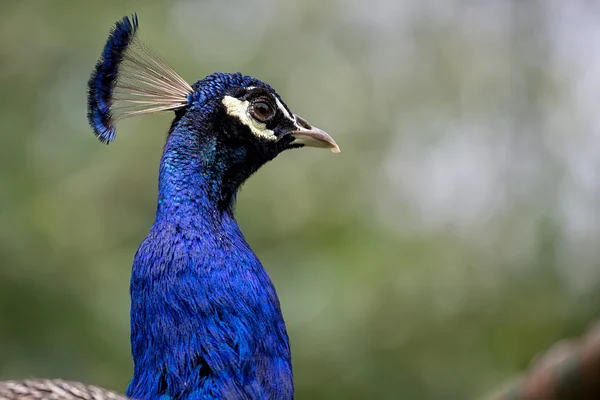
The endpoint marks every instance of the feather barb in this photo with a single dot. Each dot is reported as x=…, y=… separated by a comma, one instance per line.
x=129, y=80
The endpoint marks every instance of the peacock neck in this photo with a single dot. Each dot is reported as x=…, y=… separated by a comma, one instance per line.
x=193, y=177
x=205, y=318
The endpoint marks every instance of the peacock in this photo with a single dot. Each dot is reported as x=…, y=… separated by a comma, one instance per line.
x=206, y=321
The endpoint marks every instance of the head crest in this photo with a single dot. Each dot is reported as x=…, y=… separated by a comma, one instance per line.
x=129, y=79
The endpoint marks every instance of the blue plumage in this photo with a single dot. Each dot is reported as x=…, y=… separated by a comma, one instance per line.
x=102, y=82
x=205, y=318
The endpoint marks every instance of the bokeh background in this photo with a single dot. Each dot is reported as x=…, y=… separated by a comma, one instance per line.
x=454, y=238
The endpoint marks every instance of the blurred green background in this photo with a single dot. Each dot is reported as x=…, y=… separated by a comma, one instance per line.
x=453, y=239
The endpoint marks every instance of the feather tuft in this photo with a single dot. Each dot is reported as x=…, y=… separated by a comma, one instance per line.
x=130, y=79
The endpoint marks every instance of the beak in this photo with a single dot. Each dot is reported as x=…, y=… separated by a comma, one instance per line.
x=310, y=136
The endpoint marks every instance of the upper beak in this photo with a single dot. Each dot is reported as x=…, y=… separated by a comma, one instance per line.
x=310, y=136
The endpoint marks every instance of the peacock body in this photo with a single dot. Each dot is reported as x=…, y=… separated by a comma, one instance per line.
x=206, y=321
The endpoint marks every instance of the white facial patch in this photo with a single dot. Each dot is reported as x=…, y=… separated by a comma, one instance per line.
x=239, y=109
x=284, y=110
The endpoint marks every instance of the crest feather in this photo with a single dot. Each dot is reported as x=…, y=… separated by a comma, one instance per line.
x=130, y=79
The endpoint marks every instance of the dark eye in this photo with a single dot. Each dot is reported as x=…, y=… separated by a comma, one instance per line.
x=261, y=111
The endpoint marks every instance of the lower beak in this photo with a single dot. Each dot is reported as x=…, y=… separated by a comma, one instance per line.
x=310, y=136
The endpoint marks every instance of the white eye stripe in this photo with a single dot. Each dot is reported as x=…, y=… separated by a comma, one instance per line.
x=284, y=110
x=239, y=109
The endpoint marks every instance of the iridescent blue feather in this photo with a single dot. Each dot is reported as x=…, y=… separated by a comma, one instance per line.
x=102, y=82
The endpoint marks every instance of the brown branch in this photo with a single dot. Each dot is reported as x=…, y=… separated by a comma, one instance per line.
x=569, y=370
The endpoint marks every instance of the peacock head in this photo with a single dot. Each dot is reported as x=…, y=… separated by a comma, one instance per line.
x=243, y=112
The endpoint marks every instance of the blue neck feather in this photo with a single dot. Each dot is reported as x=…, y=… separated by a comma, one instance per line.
x=205, y=319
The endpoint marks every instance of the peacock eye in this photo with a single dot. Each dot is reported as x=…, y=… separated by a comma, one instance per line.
x=261, y=111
